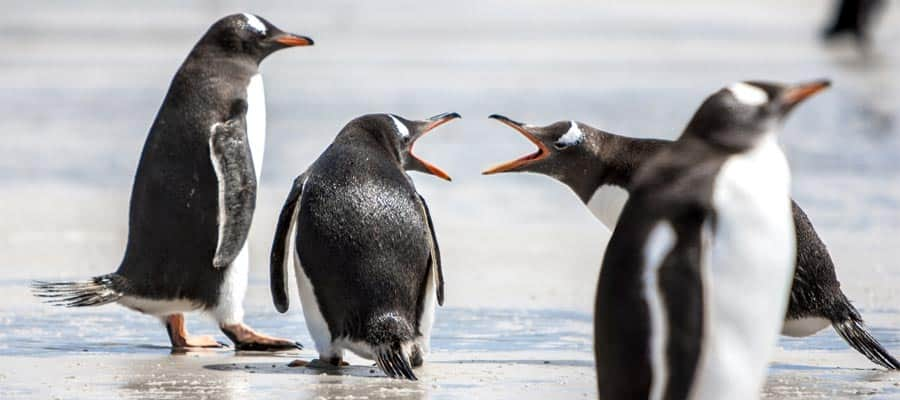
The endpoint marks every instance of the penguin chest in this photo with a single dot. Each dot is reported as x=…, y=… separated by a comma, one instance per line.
x=256, y=121
x=607, y=203
x=747, y=272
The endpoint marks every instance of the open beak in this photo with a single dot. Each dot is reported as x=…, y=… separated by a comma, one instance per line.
x=291, y=40
x=541, y=153
x=433, y=122
x=798, y=93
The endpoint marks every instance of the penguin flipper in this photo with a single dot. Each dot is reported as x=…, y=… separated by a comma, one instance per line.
x=233, y=164
x=435, y=254
x=279, y=258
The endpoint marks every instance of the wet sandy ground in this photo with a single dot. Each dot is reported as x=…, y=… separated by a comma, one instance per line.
x=80, y=83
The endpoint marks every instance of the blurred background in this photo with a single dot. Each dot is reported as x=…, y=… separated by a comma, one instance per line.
x=80, y=83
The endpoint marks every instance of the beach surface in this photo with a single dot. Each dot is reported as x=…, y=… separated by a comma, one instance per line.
x=81, y=83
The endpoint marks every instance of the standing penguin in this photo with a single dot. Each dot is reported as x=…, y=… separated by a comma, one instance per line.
x=696, y=276
x=365, y=254
x=599, y=167
x=194, y=193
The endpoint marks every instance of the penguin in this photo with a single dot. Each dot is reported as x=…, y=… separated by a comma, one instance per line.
x=599, y=167
x=364, y=249
x=697, y=273
x=853, y=18
x=660, y=313
x=194, y=193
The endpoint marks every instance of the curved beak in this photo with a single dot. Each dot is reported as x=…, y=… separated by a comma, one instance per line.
x=541, y=153
x=797, y=93
x=420, y=164
x=292, y=40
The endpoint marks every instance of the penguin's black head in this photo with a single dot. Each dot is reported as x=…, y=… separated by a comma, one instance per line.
x=250, y=36
x=562, y=147
x=399, y=135
x=737, y=116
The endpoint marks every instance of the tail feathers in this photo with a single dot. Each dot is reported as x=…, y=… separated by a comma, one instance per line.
x=857, y=336
x=94, y=292
x=394, y=361
x=389, y=334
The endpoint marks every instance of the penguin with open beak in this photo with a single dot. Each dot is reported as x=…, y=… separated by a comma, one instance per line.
x=364, y=248
x=708, y=218
x=599, y=167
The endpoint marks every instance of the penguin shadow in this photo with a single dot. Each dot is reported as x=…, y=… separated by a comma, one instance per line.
x=361, y=371
x=549, y=363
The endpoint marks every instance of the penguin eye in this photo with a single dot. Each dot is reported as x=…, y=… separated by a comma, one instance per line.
x=561, y=146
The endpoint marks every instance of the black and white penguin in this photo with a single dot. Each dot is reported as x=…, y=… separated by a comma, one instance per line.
x=853, y=18
x=195, y=191
x=365, y=254
x=708, y=217
x=599, y=167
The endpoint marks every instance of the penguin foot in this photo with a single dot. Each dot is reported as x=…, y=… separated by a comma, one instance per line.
x=247, y=339
x=200, y=342
x=180, y=339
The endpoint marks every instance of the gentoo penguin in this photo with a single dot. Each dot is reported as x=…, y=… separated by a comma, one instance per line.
x=696, y=275
x=599, y=167
x=194, y=193
x=853, y=18
x=365, y=254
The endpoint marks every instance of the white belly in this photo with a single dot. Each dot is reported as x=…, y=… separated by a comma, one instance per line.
x=158, y=308
x=607, y=203
x=747, y=273
x=426, y=320
x=804, y=326
x=256, y=121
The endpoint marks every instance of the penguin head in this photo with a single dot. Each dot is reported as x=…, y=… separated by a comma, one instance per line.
x=248, y=35
x=566, y=150
x=399, y=136
x=738, y=115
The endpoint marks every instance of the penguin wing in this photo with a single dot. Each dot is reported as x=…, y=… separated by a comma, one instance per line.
x=281, y=245
x=233, y=164
x=651, y=282
x=435, y=254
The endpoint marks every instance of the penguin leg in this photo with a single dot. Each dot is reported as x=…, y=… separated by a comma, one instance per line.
x=229, y=312
x=180, y=339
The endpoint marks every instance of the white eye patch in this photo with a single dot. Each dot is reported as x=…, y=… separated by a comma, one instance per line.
x=748, y=94
x=572, y=137
x=402, y=130
x=255, y=23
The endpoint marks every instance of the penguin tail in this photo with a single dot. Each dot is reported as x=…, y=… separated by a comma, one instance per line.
x=96, y=291
x=390, y=335
x=857, y=336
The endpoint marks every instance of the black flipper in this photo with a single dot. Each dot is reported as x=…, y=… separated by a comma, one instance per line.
x=229, y=151
x=97, y=291
x=279, y=258
x=436, y=254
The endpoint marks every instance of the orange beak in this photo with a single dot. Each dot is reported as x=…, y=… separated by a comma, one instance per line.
x=801, y=92
x=291, y=40
x=435, y=122
x=541, y=153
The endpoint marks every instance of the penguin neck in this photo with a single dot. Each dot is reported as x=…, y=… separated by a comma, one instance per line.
x=614, y=163
x=207, y=49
